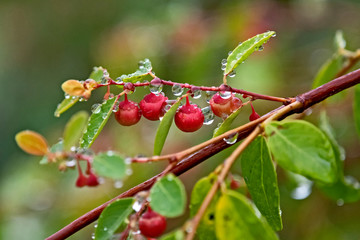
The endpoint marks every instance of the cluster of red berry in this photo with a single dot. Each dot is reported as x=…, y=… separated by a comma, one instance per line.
x=152, y=224
x=188, y=117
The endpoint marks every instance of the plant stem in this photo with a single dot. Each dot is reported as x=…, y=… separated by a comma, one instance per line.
x=307, y=99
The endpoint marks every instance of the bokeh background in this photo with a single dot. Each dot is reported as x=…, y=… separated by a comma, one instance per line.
x=43, y=43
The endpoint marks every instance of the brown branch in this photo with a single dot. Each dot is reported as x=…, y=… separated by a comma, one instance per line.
x=308, y=99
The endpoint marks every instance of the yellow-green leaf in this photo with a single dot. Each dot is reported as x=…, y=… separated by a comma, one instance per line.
x=74, y=129
x=65, y=105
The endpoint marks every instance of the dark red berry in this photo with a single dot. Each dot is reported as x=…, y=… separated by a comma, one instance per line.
x=254, y=114
x=152, y=106
x=152, y=224
x=128, y=113
x=81, y=181
x=222, y=107
x=189, y=117
x=234, y=184
x=92, y=180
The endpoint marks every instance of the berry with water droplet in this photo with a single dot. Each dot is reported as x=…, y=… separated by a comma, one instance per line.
x=224, y=107
x=254, y=115
x=128, y=113
x=152, y=224
x=153, y=106
x=189, y=117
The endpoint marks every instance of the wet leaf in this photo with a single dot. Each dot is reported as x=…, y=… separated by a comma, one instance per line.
x=139, y=75
x=97, y=74
x=164, y=127
x=260, y=177
x=65, y=105
x=96, y=122
x=168, y=196
x=32, y=142
x=302, y=148
x=245, y=49
x=110, y=165
x=206, y=228
x=74, y=129
x=226, y=124
x=236, y=219
x=112, y=217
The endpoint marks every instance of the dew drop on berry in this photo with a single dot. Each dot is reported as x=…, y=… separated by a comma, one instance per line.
x=177, y=90
x=231, y=139
x=118, y=184
x=225, y=94
x=208, y=115
x=95, y=109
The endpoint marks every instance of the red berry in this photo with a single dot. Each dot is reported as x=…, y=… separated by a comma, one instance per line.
x=152, y=224
x=92, y=180
x=152, y=106
x=234, y=184
x=189, y=117
x=81, y=181
x=128, y=113
x=254, y=114
x=222, y=107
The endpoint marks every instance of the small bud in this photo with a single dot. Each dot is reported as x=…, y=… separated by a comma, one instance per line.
x=32, y=142
x=73, y=87
x=90, y=84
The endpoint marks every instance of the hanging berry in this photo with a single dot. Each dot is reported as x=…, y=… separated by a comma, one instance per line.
x=152, y=224
x=152, y=106
x=223, y=107
x=254, y=115
x=128, y=113
x=189, y=117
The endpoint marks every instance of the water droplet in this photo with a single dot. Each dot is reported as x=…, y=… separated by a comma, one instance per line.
x=70, y=163
x=116, y=108
x=105, y=229
x=155, y=86
x=225, y=94
x=208, y=115
x=231, y=139
x=274, y=35
x=223, y=67
x=104, y=80
x=93, y=236
x=239, y=55
x=82, y=141
x=209, y=95
x=73, y=149
x=96, y=225
x=81, y=99
x=140, y=198
x=177, y=90
x=67, y=96
x=129, y=171
x=73, y=97
x=161, y=118
x=230, y=52
x=95, y=109
x=232, y=74
x=196, y=92
x=118, y=184
x=101, y=180
x=261, y=48
x=128, y=160
x=303, y=190
x=167, y=107
x=340, y=202
x=224, y=61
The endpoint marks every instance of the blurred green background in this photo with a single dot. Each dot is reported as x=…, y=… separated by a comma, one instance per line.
x=43, y=43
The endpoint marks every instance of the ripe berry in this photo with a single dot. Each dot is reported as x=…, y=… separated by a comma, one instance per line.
x=92, y=180
x=152, y=106
x=81, y=181
x=222, y=107
x=254, y=114
x=189, y=117
x=128, y=113
x=152, y=224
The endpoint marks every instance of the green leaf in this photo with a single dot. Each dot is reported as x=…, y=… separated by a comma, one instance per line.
x=74, y=129
x=140, y=74
x=206, y=228
x=346, y=189
x=357, y=108
x=110, y=165
x=226, y=124
x=175, y=235
x=328, y=70
x=339, y=40
x=112, y=217
x=168, y=196
x=245, y=49
x=65, y=105
x=164, y=127
x=57, y=147
x=96, y=122
x=260, y=177
x=236, y=219
x=300, y=147
x=97, y=74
